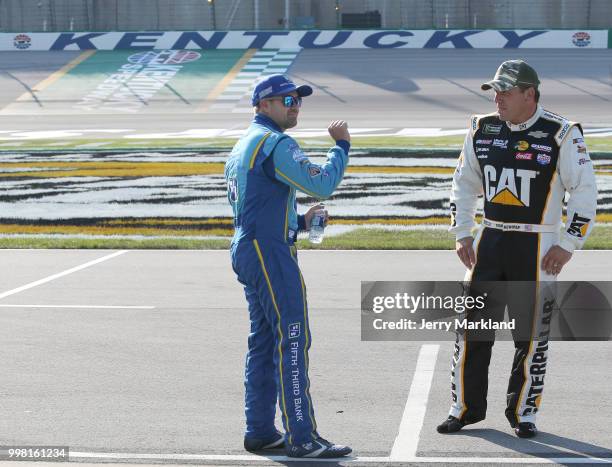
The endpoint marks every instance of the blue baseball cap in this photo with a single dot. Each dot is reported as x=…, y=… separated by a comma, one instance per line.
x=277, y=85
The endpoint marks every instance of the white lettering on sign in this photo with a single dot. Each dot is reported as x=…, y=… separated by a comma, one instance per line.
x=135, y=83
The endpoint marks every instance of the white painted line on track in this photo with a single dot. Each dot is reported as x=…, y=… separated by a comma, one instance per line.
x=126, y=457
x=507, y=460
x=214, y=457
x=60, y=274
x=407, y=441
x=93, y=307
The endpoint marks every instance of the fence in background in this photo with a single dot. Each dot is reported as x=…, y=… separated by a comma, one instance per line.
x=164, y=15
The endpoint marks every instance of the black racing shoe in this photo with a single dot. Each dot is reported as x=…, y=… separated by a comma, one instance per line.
x=274, y=442
x=526, y=430
x=450, y=425
x=320, y=449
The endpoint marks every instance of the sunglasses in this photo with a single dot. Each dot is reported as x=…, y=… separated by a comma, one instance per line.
x=289, y=101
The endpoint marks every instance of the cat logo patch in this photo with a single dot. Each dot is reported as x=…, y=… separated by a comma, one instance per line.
x=579, y=226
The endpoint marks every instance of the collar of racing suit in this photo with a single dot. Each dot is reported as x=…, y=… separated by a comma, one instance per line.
x=266, y=121
x=528, y=123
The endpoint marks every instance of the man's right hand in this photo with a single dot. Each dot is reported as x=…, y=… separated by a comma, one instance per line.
x=338, y=130
x=465, y=251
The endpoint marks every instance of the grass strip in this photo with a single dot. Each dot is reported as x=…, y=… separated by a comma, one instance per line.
x=158, y=243
x=379, y=239
x=359, y=239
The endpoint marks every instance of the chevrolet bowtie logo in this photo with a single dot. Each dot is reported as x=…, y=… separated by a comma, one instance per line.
x=537, y=134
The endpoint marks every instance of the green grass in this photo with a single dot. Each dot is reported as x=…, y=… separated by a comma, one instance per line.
x=600, y=239
x=114, y=243
x=359, y=239
x=358, y=142
x=370, y=239
x=378, y=239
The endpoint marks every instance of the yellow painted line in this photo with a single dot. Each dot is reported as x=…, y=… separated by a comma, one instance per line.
x=110, y=169
x=144, y=169
x=374, y=169
x=53, y=77
x=603, y=217
x=163, y=221
x=228, y=78
x=398, y=221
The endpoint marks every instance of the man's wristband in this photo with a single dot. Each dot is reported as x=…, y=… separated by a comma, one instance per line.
x=301, y=222
x=344, y=144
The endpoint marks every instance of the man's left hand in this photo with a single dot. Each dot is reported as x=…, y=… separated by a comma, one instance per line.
x=311, y=212
x=554, y=259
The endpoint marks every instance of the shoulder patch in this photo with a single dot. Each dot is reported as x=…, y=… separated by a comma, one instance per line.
x=314, y=170
x=296, y=152
x=475, y=119
x=564, y=130
x=553, y=116
x=565, y=125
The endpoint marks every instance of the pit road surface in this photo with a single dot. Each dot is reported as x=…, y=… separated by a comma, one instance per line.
x=161, y=372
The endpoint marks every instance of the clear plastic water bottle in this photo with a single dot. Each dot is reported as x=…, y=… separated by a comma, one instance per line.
x=317, y=226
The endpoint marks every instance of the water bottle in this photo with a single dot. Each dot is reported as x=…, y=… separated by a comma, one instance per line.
x=317, y=225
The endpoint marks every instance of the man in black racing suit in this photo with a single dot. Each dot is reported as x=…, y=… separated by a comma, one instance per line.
x=522, y=159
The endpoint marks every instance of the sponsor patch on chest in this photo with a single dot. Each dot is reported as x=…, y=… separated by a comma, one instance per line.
x=508, y=186
x=537, y=134
x=521, y=145
x=543, y=159
x=541, y=147
x=490, y=129
x=524, y=156
x=500, y=143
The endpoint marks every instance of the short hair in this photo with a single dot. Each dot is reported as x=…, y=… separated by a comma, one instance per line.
x=537, y=92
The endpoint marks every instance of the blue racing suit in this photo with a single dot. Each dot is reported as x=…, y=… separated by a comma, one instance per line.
x=263, y=172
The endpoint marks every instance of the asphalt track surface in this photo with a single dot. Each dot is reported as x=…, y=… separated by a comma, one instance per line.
x=399, y=88
x=165, y=383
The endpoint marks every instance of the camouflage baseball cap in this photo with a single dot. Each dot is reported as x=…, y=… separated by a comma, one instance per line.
x=510, y=74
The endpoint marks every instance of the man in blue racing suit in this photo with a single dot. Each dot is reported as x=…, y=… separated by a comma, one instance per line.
x=263, y=173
